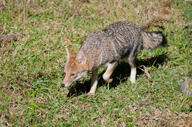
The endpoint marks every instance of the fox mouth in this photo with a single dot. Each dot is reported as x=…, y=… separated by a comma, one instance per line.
x=66, y=85
x=75, y=79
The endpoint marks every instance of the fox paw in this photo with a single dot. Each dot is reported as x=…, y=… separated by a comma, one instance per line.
x=90, y=93
x=132, y=81
x=108, y=80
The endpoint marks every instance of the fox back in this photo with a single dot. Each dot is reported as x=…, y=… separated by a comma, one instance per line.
x=112, y=43
x=115, y=42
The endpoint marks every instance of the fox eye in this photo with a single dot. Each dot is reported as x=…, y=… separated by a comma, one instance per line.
x=64, y=74
x=72, y=74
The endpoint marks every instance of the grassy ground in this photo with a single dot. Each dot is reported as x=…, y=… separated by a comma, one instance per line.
x=31, y=68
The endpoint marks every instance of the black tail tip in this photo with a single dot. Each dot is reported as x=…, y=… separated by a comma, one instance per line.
x=164, y=40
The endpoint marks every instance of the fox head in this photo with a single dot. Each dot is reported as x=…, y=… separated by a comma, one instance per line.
x=75, y=68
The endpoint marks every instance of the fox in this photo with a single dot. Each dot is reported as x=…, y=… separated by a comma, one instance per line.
x=105, y=48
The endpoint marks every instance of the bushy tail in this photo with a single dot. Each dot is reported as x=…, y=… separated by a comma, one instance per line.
x=152, y=39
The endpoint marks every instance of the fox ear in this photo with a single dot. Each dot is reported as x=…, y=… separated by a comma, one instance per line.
x=69, y=53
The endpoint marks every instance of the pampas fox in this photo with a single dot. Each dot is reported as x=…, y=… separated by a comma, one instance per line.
x=106, y=48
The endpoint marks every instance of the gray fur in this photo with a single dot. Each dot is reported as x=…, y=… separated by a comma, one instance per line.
x=118, y=40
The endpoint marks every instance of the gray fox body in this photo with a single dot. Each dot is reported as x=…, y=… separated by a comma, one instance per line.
x=106, y=48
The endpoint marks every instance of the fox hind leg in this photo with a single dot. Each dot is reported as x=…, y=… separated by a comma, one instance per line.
x=132, y=63
x=94, y=82
x=111, y=67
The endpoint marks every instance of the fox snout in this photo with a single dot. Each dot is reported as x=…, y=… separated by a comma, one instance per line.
x=63, y=85
x=66, y=82
x=70, y=78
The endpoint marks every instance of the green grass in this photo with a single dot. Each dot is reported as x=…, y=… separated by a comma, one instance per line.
x=31, y=68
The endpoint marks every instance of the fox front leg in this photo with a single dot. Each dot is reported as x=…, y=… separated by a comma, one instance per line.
x=94, y=82
x=111, y=67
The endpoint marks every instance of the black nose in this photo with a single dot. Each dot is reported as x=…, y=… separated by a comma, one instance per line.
x=63, y=85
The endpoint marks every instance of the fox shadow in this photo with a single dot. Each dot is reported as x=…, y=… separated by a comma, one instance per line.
x=120, y=75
